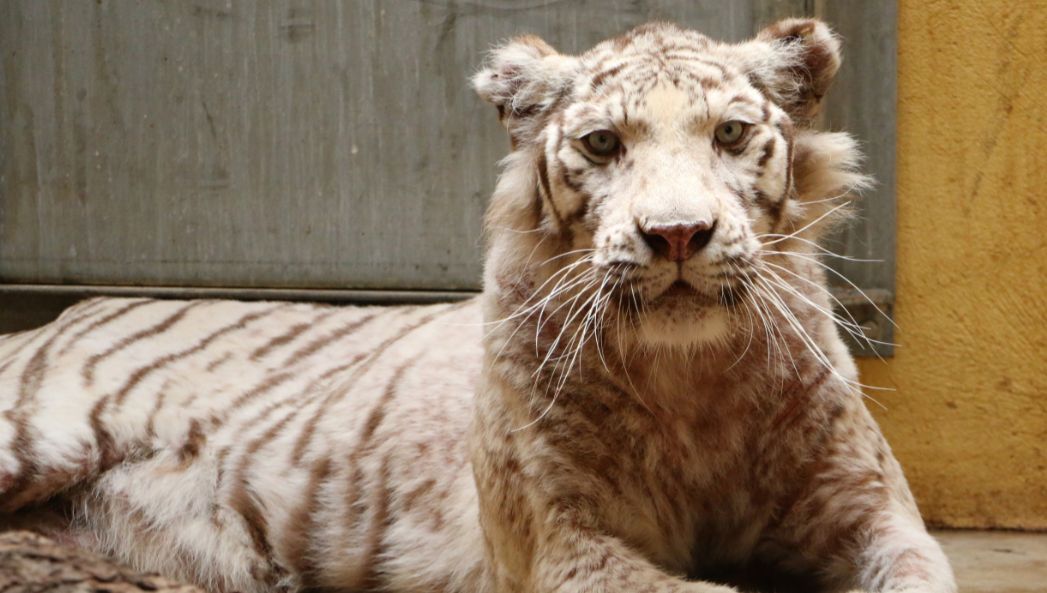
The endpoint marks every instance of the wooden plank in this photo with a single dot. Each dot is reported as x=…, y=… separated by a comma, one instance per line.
x=266, y=144
x=863, y=103
x=320, y=145
x=766, y=12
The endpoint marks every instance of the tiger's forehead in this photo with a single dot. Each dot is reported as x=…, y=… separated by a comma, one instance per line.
x=662, y=72
x=640, y=60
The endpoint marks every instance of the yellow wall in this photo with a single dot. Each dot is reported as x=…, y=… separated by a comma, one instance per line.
x=969, y=417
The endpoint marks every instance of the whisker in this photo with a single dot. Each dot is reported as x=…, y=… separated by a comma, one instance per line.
x=852, y=285
x=806, y=226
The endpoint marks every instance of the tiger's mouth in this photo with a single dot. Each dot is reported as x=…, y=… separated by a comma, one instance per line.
x=680, y=288
x=682, y=291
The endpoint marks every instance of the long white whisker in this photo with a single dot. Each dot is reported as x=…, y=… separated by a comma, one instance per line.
x=806, y=226
x=852, y=285
x=850, y=324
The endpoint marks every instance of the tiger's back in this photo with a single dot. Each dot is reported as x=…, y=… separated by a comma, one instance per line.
x=263, y=435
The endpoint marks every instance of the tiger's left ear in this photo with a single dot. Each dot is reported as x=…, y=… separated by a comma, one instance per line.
x=525, y=80
x=793, y=61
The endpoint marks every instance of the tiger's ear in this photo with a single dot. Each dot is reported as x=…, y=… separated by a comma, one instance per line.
x=793, y=61
x=525, y=79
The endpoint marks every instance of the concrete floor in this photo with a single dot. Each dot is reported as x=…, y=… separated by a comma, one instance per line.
x=997, y=561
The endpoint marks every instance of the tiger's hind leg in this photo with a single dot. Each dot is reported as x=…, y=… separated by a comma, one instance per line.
x=165, y=514
x=32, y=468
x=83, y=393
x=63, y=419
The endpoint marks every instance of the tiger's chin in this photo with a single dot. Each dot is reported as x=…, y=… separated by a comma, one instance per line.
x=684, y=321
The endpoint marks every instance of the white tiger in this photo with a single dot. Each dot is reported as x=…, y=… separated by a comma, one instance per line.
x=650, y=395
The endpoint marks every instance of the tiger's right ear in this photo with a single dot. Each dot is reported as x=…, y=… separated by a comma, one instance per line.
x=525, y=79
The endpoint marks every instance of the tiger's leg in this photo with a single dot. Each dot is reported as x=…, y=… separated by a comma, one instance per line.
x=899, y=556
x=857, y=521
x=78, y=396
x=165, y=515
x=581, y=561
x=557, y=545
x=45, y=438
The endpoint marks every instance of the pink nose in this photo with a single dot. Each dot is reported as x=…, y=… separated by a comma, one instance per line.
x=678, y=242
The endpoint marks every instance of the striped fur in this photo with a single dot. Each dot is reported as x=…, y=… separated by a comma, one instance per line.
x=600, y=419
x=250, y=445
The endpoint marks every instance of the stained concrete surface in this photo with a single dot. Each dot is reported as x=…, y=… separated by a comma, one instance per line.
x=997, y=561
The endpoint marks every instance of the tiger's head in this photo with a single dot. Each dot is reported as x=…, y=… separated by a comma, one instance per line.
x=659, y=165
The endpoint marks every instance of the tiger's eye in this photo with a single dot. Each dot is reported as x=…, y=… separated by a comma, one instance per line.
x=730, y=132
x=602, y=143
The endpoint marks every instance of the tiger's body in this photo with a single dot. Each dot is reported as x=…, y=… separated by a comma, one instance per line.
x=650, y=395
x=249, y=445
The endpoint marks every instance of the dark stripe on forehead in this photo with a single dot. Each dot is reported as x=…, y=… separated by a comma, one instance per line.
x=744, y=101
x=599, y=78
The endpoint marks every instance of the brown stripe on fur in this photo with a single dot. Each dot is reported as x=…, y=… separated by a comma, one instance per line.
x=33, y=374
x=411, y=498
x=599, y=79
x=297, y=541
x=88, y=371
x=22, y=445
x=302, y=399
x=742, y=100
x=104, y=443
x=150, y=425
x=214, y=364
x=264, y=386
x=195, y=439
x=288, y=336
x=801, y=393
x=122, y=311
x=142, y=372
x=543, y=179
x=774, y=209
x=380, y=522
x=242, y=500
x=768, y=152
x=300, y=403
x=306, y=437
x=323, y=341
x=787, y=130
x=571, y=184
x=364, y=447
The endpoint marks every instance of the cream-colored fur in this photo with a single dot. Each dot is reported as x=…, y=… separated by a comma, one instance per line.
x=621, y=410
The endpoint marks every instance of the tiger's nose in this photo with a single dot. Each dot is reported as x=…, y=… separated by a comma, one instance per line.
x=678, y=242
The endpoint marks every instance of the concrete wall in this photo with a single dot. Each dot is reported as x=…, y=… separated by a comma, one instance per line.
x=969, y=417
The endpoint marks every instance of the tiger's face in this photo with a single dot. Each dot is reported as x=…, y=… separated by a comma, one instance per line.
x=665, y=159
